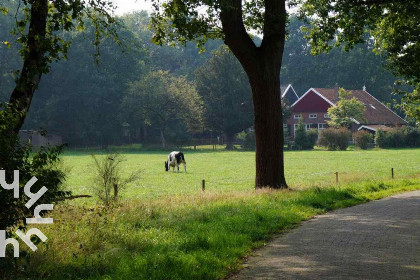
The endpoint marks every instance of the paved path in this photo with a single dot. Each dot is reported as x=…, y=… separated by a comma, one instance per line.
x=377, y=240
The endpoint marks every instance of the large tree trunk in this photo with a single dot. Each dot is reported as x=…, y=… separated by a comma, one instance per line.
x=34, y=63
x=229, y=141
x=268, y=125
x=262, y=65
x=162, y=138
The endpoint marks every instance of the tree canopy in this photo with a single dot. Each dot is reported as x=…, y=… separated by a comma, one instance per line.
x=161, y=99
x=393, y=25
x=225, y=90
x=347, y=110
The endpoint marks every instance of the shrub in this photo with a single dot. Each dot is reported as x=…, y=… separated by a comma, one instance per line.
x=412, y=138
x=311, y=138
x=398, y=137
x=380, y=139
x=248, y=140
x=108, y=180
x=300, y=135
x=334, y=138
x=362, y=139
x=43, y=163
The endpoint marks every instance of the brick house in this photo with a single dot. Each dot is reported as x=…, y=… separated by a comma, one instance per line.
x=313, y=107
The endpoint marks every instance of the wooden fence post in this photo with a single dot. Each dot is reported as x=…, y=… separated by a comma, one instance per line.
x=336, y=177
x=392, y=172
x=203, y=185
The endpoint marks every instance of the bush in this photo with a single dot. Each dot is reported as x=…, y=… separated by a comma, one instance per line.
x=44, y=164
x=398, y=137
x=248, y=140
x=362, y=139
x=311, y=138
x=380, y=139
x=412, y=138
x=305, y=140
x=334, y=138
x=108, y=181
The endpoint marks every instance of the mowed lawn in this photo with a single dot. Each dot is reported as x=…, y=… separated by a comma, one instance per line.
x=226, y=171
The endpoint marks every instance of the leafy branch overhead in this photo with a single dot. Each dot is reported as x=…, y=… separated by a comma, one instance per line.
x=62, y=16
x=41, y=29
x=393, y=26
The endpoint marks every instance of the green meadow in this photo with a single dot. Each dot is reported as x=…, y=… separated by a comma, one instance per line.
x=166, y=228
x=234, y=171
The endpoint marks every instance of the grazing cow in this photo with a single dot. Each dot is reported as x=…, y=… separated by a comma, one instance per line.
x=175, y=159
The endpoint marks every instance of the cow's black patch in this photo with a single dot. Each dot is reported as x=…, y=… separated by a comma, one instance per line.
x=179, y=157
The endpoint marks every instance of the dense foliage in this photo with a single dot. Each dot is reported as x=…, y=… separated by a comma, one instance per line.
x=362, y=139
x=43, y=163
x=398, y=137
x=346, y=110
x=334, y=138
x=82, y=101
x=163, y=101
x=225, y=90
x=305, y=139
x=394, y=27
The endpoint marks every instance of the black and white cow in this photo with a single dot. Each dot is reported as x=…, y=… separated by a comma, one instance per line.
x=175, y=159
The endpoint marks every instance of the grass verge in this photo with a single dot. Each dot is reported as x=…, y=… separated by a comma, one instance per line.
x=182, y=237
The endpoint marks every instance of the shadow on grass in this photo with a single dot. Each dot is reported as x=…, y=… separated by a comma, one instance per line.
x=192, y=240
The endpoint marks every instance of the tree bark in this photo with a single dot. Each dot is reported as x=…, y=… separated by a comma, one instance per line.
x=35, y=63
x=262, y=65
x=229, y=141
x=162, y=138
x=268, y=125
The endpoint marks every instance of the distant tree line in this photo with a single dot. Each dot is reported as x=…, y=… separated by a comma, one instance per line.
x=144, y=93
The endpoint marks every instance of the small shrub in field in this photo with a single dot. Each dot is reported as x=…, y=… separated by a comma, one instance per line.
x=334, y=138
x=108, y=180
x=311, y=138
x=248, y=140
x=362, y=139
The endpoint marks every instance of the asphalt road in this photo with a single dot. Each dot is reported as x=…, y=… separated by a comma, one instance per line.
x=376, y=240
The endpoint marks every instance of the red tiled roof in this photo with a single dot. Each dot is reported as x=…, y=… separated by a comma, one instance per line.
x=375, y=113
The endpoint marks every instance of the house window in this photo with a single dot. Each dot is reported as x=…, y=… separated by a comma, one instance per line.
x=296, y=117
x=312, y=116
x=311, y=126
x=326, y=116
x=322, y=126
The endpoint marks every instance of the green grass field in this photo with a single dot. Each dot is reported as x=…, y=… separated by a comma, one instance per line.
x=234, y=171
x=166, y=228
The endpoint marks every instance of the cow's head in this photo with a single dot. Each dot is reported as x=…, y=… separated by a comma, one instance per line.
x=166, y=166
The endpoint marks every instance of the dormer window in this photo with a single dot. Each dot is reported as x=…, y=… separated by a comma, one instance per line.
x=296, y=117
x=326, y=116
x=312, y=116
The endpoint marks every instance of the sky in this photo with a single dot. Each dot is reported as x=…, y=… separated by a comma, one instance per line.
x=127, y=6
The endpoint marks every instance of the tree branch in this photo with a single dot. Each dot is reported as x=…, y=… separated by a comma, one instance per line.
x=236, y=36
x=274, y=29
